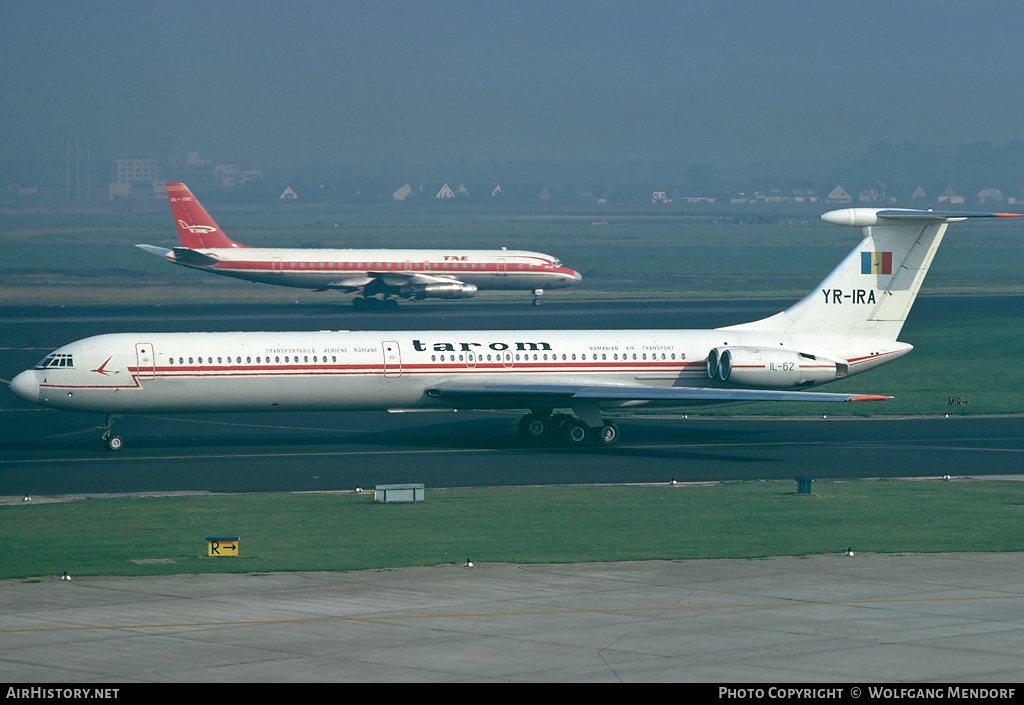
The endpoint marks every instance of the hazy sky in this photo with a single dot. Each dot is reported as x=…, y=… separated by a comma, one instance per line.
x=556, y=80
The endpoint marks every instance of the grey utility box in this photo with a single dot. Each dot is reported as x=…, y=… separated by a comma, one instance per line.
x=398, y=493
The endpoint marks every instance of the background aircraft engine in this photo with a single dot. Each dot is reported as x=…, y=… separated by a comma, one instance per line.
x=454, y=290
x=766, y=367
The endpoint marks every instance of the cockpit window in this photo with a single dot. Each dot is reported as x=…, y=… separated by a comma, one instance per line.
x=56, y=360
x=555, y=263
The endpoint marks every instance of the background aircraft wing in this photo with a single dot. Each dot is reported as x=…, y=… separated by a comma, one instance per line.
x=395, y=280
x=506, y=395
x=403, y=278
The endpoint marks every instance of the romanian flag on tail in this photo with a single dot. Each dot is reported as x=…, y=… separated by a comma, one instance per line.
x=876, y=263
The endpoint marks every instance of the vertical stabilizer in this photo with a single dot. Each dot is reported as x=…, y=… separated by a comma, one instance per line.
x=870, y=293
x=196, y=229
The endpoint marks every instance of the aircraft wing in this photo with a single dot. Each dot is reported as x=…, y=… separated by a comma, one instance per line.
x=399, y=279
x=524, y=395
x=402, y=278
x=406, y=283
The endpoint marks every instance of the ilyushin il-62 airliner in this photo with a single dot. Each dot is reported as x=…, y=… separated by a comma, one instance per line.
x=391, y=274
x=848, y=324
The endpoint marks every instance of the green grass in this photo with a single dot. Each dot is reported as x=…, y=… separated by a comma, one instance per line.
x=293, y=532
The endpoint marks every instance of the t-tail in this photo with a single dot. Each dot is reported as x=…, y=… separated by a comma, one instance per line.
x=196, y=229
x=870, y=293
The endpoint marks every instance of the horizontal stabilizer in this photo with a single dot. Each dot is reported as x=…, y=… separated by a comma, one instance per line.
x=194, y=258
x=864, y=217
x=161, y=251
x=182, y=255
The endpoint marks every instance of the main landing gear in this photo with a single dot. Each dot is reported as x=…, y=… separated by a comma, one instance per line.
x=112, y=442
x=568, y=430
x=372, y=303
x=537, y=293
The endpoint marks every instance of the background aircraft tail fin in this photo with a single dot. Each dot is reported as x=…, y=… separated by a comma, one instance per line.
x=870, y=293
x=196, y=229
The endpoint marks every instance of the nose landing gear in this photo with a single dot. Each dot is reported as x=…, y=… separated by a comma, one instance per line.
x=112, y=442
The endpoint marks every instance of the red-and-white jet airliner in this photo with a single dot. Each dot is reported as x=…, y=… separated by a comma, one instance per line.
x=390, y=274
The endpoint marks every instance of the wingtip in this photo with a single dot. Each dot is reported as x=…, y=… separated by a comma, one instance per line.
x=869, y=397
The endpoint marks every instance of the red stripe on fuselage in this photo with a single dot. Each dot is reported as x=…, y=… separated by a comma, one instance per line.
x=303, y=266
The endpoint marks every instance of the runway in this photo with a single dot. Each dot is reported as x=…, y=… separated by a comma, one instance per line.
x=49, y=452
x=44, y=451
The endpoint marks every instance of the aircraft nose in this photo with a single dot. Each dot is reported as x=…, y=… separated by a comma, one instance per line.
x=26, y=386
x=577, y=276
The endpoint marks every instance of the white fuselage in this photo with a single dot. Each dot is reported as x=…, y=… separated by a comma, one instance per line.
x=365, y=370
x=351, y=269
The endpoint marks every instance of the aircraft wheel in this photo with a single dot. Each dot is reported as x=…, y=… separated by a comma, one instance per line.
x=574, y=433
x=113, y=444
x=533, y=426
x=536, y=302
x=556, y=425
x=606, y=435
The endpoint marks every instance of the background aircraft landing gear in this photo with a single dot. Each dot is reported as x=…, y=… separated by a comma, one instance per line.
x=372, y=303
x=537, y=293
x=113, y=443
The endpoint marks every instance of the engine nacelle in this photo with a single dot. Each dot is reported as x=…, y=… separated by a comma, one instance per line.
x=453, y=290
x=770, y=368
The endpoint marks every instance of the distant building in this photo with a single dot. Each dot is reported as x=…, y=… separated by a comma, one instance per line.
x=660, y=197
x=445, y=193
x=192, y=161
x=289, y=195
x=918, y=194
x=874, y=196
x=989, y=195
x=839, y=195
x=402, y=193
x=225, y=174
x=120, y=190
x=136, y=171
x=949, y=195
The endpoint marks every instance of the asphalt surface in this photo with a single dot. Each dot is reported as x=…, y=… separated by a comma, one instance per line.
x=841, y=621
x=44, y=451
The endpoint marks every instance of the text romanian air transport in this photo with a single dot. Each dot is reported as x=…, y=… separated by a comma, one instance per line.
x=391, y=274
x=848, y=324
